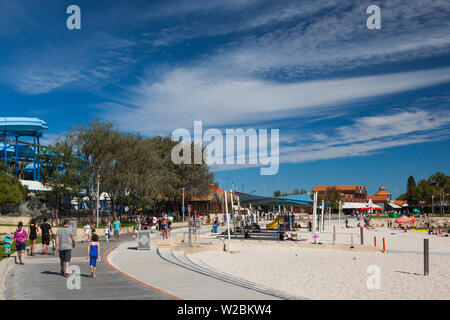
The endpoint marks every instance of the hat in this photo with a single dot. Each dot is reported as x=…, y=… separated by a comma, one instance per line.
x=8, y=235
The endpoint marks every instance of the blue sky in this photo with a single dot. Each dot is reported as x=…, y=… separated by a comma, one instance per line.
x=353, y=105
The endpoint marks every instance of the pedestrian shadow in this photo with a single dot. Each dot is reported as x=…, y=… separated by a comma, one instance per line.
x=406, y=272
x=59, y=274
x=51, y=272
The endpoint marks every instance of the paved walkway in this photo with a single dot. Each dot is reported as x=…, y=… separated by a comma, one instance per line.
x=147, y=267
x=40, y=278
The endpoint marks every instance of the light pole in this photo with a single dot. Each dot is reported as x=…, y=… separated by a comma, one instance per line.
x=228, y=217
x=98, y=195
x=265, y=187
x=232, y=183
x=432, y=204
x=182, y=209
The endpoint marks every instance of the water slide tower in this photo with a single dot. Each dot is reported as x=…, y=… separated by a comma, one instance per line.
x=14, y=148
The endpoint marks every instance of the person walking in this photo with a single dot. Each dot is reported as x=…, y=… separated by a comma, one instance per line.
x=160, y=224
x=65, y=241
x=7, y=241
x=164, y=231
x=86, y=232
x=46, y=229
x=107, y=233
x=33, y=230
x=169, y=226
x=117, y=227
x=93, y=253
x=20, y=237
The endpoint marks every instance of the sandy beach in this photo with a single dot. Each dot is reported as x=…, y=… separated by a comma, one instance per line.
x=337, y=274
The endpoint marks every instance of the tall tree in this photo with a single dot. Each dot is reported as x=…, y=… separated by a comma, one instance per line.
x=410, y=195
x=11, y=190
x=61, y=173
x=93, y=144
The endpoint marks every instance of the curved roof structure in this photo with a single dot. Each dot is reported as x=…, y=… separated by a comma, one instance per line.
x=22, y=126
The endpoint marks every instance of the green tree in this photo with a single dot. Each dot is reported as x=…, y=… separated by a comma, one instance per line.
x=423, y=193
x=61, y=173
x=410, y=194
x=331, y=195
x=11, y=190
x=94, y=145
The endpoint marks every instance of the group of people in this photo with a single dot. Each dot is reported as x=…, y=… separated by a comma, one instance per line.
x=21, y=235
x=162, y=224
x=64, y=241
x=115, y=226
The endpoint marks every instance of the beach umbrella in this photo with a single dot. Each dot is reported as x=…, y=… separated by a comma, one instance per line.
x=405, y=219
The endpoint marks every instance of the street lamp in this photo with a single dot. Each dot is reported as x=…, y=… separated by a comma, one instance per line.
x=265, y=187
x=182, y=210
x=232, y=183
x=98, y=195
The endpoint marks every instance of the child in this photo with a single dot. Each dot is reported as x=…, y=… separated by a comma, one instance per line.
x=134, y=233
x=107, y=233
x=86, y=232
x=93, y=254
x=316, y=237
x=7, y=241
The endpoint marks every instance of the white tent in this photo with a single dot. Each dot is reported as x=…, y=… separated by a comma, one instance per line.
x=104, y=196
x=393, y=205
x=353, y=205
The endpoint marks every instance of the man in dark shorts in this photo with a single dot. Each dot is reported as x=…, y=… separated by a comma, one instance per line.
x=46, y=232
x=65, y=241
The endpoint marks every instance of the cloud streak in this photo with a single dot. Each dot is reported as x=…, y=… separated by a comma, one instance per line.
x=196, y=95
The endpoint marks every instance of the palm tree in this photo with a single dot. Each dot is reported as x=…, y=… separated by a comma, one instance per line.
x=440, y=182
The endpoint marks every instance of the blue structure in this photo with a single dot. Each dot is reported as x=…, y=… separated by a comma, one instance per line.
x=11, y=129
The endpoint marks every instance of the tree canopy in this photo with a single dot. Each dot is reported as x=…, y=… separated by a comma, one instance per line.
x=135, y=172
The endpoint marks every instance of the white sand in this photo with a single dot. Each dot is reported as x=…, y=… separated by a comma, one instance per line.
x=334, y=274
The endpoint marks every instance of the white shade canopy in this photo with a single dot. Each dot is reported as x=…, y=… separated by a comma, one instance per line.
x=34, y=185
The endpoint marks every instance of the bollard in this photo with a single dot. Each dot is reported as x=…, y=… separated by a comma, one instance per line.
x=426, y=261
x=190, y=233
x=334, y=234
x=384, y=245
x=374, y=241
x=362, y=236
x=351, y=246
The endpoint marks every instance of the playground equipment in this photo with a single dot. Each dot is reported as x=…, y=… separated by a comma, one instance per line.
x=13, y=149
x=275, y=223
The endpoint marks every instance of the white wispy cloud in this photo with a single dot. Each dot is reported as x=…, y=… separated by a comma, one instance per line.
x=365, y=136
x=370, y=134
x=185, y=95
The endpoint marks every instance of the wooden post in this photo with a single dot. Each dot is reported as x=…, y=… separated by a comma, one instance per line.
x=384, y=245
x=426, y=261
x=362, y=235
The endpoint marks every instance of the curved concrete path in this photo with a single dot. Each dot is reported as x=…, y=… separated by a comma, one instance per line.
x=39, y=279
x=148, y=268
